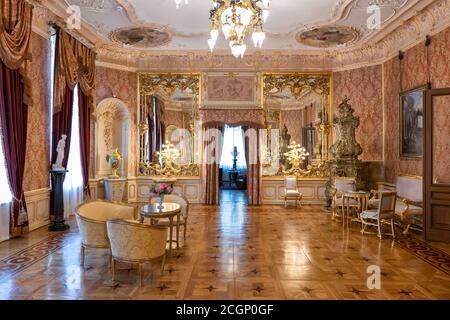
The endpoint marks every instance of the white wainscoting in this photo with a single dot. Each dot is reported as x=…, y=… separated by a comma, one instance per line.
x=313, y=190
x=38, y=205
x=4, y=221
x=138, y=188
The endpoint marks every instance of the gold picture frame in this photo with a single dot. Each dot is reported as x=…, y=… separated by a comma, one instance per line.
x=410, y=122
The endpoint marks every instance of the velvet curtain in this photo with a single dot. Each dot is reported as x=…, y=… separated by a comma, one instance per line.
x=75, y=63
x=15, y=34
x=210, y=168
x=160, y=126
x=151, y=128
x=254, y=173
x=85, y=134
x=14, y=116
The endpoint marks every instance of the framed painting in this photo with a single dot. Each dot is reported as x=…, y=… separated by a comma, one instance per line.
x=411, y=122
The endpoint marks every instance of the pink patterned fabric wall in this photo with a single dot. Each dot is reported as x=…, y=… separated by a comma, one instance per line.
x=174, y=118
x=121, y=85
x=364, y=88
x=233, y=116
x=38, y=136
x=414, y=73
x=292, y=119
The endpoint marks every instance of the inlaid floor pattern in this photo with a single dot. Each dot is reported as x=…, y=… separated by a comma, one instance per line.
x=234, y=252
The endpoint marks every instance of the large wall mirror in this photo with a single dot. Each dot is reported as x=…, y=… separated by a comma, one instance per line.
x=169, y=120
x=298, y=111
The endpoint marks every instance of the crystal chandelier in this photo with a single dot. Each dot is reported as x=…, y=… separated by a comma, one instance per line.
x=178, y=2
x=235, y=18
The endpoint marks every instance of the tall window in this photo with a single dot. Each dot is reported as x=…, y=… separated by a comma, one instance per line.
x=73, y=183
x=233, y=137
x=5, y=192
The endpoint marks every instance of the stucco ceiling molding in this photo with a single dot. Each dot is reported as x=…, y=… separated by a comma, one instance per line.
x=340, y=11
x=428, y=21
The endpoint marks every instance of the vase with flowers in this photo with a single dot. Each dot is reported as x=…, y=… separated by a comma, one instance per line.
x=159, y=190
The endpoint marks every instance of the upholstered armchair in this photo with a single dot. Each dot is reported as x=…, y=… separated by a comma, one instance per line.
x=291, y=191
x=91, y=218
x=134, y=242
x=341, y=186
x=409, y=205
x=384, y=214
x=183, y=202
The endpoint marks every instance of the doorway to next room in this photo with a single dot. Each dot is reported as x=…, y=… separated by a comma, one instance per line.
x=233, y=165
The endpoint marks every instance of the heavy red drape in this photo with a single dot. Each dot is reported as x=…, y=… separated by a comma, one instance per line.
x=14, y=116
x=254, y=167
x=158, y=126
x=85, y=133
x=212, y=140
x=62, y=124
x=151, y=127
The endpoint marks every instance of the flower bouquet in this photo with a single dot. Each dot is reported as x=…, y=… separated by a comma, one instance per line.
x=160, y=190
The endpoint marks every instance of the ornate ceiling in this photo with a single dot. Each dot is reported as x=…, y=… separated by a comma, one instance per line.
x=187, y=28
x=307, y=35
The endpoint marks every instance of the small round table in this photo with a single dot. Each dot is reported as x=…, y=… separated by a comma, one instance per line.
x=169, y=211
x=362, y=202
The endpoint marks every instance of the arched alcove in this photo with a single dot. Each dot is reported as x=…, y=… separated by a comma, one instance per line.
x=111, y=131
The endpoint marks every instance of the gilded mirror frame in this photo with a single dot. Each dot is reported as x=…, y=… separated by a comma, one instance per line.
x=150, y=84
x=273, y=83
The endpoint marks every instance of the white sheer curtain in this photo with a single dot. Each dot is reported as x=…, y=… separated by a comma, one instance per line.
x=5, y=196
x=233, y=138
x=5, y=192
x=73, y=184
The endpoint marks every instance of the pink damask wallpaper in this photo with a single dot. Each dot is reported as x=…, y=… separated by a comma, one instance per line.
x=293, y=120
x=364, y=88
x=414, y=73
x=174, y=118
x=441, y=141
x=38, y=136
x=121, y=85
x=232, y=116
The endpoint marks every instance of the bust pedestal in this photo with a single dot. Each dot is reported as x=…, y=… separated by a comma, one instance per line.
x=114, y=189
x=58, y=222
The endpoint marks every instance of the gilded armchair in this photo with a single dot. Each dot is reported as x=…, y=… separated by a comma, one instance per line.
x=134, y=242
x=384, y=214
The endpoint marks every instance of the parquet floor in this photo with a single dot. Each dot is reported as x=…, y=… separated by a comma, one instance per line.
x=235, y=252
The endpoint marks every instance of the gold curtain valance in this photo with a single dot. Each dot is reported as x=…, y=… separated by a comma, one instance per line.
x=15, y=32
x=75, y=63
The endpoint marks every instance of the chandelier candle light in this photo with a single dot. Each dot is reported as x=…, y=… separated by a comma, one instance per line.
x=235, y=18
x=296, y=155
